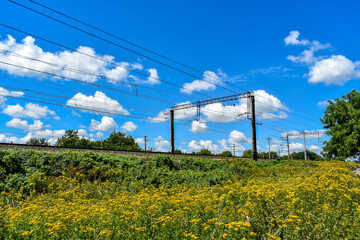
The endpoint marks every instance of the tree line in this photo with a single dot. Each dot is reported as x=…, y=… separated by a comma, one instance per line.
x=71, y=139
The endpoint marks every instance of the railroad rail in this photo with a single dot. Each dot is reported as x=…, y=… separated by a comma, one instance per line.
x=119, y=152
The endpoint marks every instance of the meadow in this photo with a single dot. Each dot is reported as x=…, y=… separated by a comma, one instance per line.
x=67, y=195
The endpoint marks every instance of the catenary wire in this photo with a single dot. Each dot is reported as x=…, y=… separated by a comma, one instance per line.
x=136, y=45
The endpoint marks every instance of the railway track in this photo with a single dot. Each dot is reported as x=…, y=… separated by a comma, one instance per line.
x=119, y=152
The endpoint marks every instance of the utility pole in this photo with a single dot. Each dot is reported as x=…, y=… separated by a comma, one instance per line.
x=233, y=145
x=172, y=139
x=145, y=142
x=269, y=145
x=253, y=126
x=287, y=141
x=280, y=150
x=305, y=146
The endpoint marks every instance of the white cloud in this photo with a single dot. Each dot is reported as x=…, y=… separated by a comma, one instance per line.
x=295, y=147
x=336, y=70
x=99, y=134
x=128, y=127
x=238, y=137
x=82, y=133
x=153, y=77
x=99, y=103
x=23, y=124
x=207, y=84
x=207, y=144
x=292, y=39
x=5, y=93
x=198, y=126
x=31, y=110
x=314, y=148
x=97, y=64
x=140, y=140
x=119, y=73
x=323, y=104
x=266, y=107
x=161, y=143
x=106, y=124
x=178, y=114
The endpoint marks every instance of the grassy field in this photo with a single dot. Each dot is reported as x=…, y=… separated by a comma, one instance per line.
x=68, y=195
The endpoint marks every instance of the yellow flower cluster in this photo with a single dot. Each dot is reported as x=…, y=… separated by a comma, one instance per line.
x=285, y=202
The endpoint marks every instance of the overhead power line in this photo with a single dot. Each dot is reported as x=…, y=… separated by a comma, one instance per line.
x=138, y=46
x=118, y=45
x=89, y=74
x=103, y=60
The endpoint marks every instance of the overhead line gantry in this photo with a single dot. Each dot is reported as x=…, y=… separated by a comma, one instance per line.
x=250, y=114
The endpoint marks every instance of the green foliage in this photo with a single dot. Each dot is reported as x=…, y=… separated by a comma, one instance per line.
x=265, y=155
x=120, y=141
x=310, y=156
x=247, y=154
x=72, y=139
x=225, y=154
x=204, y=151
x=342, y=121
x=37, y=142
x=33, y=170
x=116, y=141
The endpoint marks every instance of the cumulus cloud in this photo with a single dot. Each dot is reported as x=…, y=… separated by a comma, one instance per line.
x=140, y=140
x=238, y=137
x=106, y=124
x=153, y=77
x=31, y=110
x=161, y=144
x=329, y=70
x=206, y=84
x=5, y=93
x=23, y=124
x=198, y=126
x=336, y=70
x=292, y=39
x=99, y=103
x=207, y=144
x=97, y=64
x=99, y=134
x=295, y=147
x=306, y=56
x=128, y=127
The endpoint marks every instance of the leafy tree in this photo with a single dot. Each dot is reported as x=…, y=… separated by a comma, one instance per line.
x=247, y=154
x=310, y=156
x=225, y=154
x=177, y=151
x=342, y=121
x=265, y=155
x=38, y=142
x=72, y=139
x=119, y=141
x=204, y=151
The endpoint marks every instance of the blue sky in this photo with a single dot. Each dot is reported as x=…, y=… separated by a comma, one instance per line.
x=294, y=55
